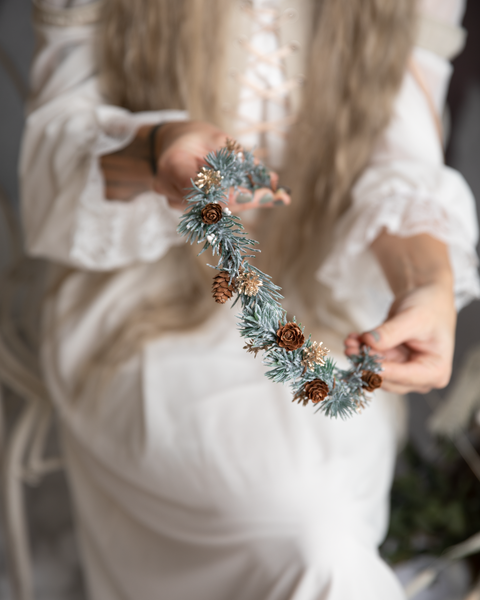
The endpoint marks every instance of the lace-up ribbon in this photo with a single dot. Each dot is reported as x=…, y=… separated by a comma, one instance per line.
x=265, y=105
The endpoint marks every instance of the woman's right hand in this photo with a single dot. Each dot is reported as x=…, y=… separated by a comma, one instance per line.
x=181, y=148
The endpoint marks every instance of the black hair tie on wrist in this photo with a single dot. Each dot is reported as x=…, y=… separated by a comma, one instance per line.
x=151, y=144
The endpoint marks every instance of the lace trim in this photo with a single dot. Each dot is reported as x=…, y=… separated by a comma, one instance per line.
x=406, y=214
x=108, y=234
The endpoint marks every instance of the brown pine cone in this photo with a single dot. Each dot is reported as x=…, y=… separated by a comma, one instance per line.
x=211, y=213
x=316, y=390
x=222, y=290
x=373, y=380
x=290, y=337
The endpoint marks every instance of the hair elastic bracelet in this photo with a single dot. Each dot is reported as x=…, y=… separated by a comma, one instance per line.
x=151, y=144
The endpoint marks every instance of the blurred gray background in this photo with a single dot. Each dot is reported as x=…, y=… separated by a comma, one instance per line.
x=57, y=571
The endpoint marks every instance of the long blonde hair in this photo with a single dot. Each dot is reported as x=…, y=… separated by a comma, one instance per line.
x=164, y=54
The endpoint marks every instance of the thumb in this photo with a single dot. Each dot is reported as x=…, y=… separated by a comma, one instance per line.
x=393, y=332
x=175, y=174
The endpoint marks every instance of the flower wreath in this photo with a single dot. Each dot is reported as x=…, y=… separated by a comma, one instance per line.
x=288, y=354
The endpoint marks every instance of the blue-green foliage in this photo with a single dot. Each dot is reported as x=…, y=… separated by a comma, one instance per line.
x=262, y=314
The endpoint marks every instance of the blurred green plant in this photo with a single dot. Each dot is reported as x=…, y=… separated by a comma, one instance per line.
x=434, y=504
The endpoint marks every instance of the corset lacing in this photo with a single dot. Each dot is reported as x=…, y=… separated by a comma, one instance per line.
x=264, y=112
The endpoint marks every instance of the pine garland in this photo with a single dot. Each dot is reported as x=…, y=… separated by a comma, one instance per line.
x=289, y=356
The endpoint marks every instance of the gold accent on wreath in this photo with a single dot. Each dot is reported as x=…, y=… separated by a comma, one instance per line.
x=315, y=355
x=248, y=283
x=233, y=146
x=208, y=178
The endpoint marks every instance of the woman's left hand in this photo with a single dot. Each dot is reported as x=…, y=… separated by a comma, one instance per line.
x=417, y=339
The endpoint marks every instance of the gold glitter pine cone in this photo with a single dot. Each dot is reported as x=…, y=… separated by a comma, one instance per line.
x=222, y=290
x=211, y=213
x=208, y=178
x=248, y=283
x=316, y=390
x=373, y=380
x=315, y=355
x=233, y=146
x=290, y=337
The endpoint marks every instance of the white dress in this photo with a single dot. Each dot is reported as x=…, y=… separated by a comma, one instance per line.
x=193, y=476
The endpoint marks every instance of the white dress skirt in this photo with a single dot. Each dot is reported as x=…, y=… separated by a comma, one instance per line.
x=193, y=476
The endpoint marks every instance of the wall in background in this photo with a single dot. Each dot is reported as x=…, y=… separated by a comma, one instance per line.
x=16, y=49
x=463, y=151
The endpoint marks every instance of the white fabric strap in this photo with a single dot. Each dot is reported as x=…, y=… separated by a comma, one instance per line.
x=419, y=78
x=76, y=16
x=442, y=38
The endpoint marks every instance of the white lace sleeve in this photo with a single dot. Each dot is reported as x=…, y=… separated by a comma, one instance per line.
x=406, y=199
x=406, y=190
x=65, y=215
x=109, y=234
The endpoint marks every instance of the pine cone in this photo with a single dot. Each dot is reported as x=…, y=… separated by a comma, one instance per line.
x=222, y=290
x=290, y=337
x=373, y=380
x=316, y=390
x=211, y=213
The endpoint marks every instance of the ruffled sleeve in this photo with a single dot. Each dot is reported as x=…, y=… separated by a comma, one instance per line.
x=406, y=190
x=405, y=198
x=65, y=215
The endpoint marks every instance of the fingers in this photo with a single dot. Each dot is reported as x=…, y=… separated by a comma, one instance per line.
x=412, y=361
x=407, y=371
x=352, y=344
x=243, y=199
x=416, y=342
x=174, y=178
x=273, y=180
x=393, y=332
x=175, y=174
x=416, y=352
x=281, y=196
x=181, y=148
x=420, y=374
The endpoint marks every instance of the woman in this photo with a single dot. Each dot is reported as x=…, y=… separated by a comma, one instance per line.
x=192, y=475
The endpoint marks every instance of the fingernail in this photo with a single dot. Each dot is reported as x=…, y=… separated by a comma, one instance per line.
x=279, y=202
x=266, y=199
x=243, y=198
x=375, y=335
